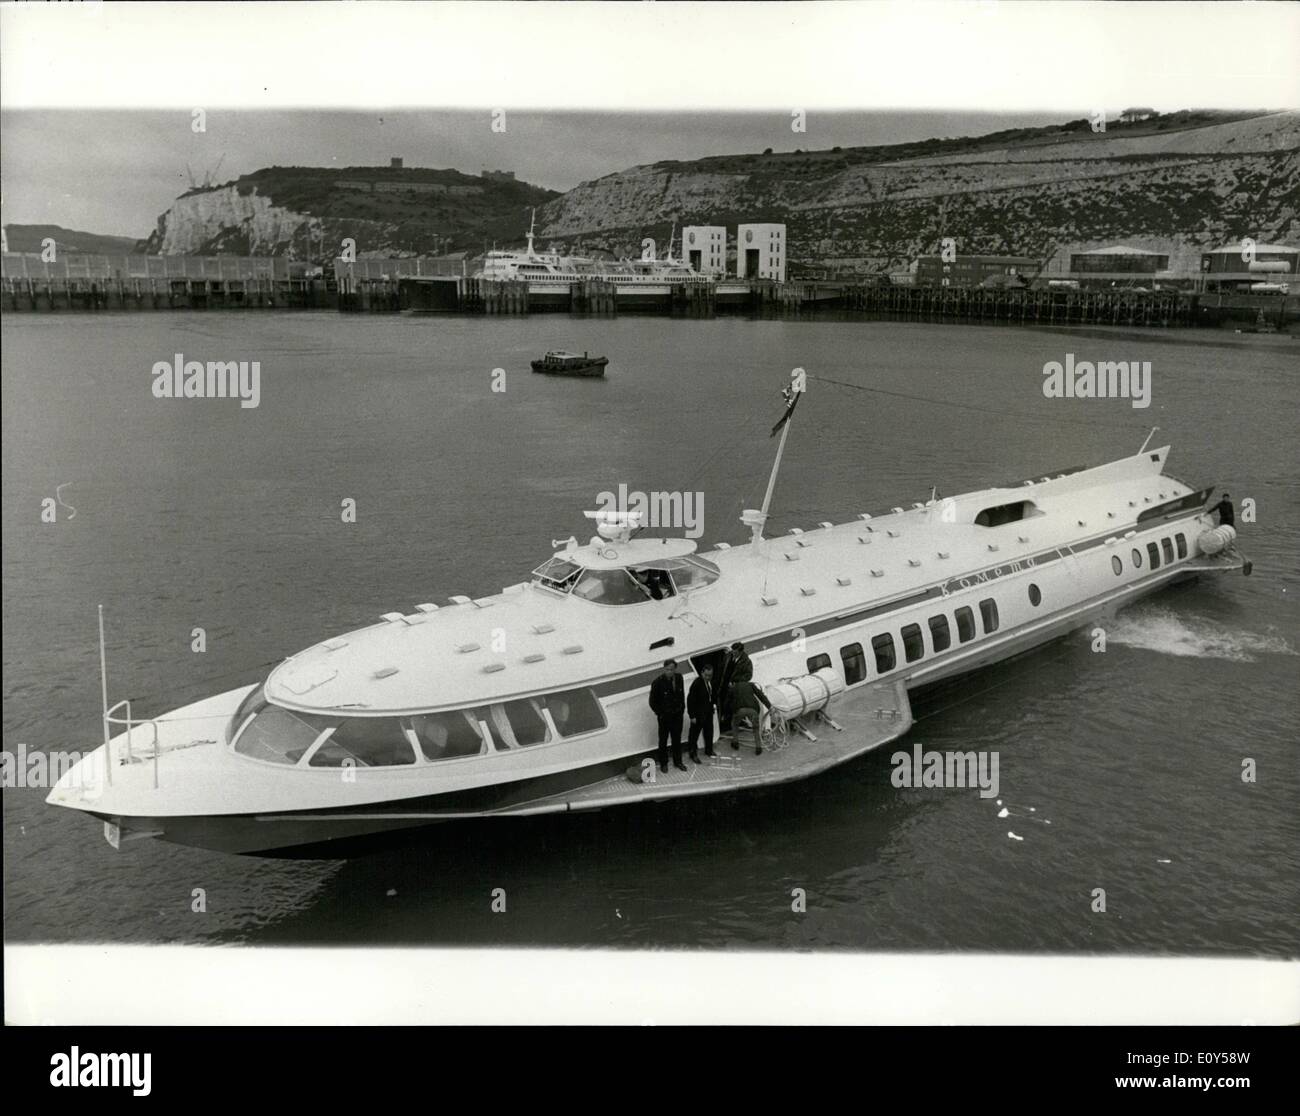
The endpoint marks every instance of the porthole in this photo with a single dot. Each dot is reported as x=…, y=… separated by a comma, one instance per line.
x=1116, y=564
x=1035, y=596
x=1137, y=558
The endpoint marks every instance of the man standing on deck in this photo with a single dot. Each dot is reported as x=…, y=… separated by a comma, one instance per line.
x=700, y=703
x=748, y=697
x=668, y=702
x=1227, y=517
x=736, y=668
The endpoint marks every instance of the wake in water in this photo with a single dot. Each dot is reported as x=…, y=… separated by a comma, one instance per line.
x=1171, y=634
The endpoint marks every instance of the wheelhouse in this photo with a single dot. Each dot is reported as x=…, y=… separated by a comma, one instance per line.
x=634, y=583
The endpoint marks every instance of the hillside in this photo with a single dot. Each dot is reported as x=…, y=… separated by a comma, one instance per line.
x=30, y=238
x=1173, y=184
x=307, y=212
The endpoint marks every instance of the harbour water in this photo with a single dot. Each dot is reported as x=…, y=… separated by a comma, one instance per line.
x=200, y=513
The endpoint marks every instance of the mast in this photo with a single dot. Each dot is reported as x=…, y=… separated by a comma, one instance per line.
x=531, y=224
x=756, y=519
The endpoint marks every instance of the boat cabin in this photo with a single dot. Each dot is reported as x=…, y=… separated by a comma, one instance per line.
x=626, y=573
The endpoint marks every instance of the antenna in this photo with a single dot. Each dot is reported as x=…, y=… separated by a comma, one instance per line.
x=1148, y=439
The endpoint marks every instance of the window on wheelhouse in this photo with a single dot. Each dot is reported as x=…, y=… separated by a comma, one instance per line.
x=574, y=712
x=611, y=587
x=913, y=642
x=965, y=624
x=255, y=700
x=940, y=636
x=1167, y=546
x=1153, y=555
x=818, y=662
x=692, y=572
x=278, y=735
x=557, y=574
x=1182, y=544
x=448, y=735
x=883, y=646
x=365, y=742
x=989, y=614
x=855, y=663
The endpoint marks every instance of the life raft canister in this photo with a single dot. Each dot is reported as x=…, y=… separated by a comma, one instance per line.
x=793, y=697
x=1216, y=539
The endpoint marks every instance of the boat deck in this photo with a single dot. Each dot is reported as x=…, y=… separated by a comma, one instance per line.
x=867, y=718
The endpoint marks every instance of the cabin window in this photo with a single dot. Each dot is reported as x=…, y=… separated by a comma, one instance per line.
x=855, y=663
x=692, y=573
x=1182, y=544
x=1153, y=555
x=818, y=662
x=447, y=735
x=1137, y=558
x=965, y=625
x=1168, y=548
x=575, y=712
x=654, y=582
x=913, y=642
x=365, y=742
x=255, y=700
x=989, y=614
x=558, y=574
x=1006, y=513
x=279, y=735
x=1035, y=595
x=883, y=646
x=611, y=587
x=520, y=723
x=940, y=636
x=1116, y=564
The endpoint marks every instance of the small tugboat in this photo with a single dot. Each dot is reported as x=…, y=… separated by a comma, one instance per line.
x=559, y=363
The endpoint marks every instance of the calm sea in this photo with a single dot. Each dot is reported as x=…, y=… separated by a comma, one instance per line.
x=203, y=514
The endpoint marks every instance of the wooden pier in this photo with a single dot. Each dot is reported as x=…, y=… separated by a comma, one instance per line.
x=439, y=285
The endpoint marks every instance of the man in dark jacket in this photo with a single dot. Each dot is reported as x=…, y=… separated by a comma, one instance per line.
x=668, y=701
x=735, y=668
x=700, y=703
x=748, y=697
x=1227, y=516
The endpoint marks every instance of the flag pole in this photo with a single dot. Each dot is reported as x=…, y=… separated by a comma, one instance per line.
x=755, y=520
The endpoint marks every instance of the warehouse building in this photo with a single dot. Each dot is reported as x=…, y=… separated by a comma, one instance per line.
x=760, y=252
x=971, y=271
x=704, y=247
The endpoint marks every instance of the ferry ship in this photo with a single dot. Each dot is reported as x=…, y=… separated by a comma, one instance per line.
x=549, y=273
x=534, y=700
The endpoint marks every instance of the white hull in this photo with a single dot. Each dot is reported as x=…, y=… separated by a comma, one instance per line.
x=1049, y=581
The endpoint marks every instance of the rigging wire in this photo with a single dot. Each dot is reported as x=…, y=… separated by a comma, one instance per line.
x=1000, y=412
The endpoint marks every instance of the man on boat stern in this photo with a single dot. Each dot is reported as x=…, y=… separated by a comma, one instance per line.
x=668, y=702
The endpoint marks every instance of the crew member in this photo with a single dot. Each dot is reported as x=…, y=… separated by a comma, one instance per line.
x=700, y=703
x=1227, y=517
x=748, y=697
x=734, y=668
x=668, y=701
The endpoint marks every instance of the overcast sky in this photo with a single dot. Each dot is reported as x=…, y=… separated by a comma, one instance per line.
x=115, y=171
